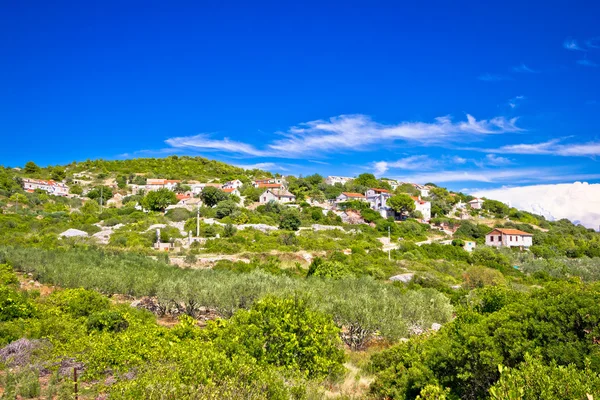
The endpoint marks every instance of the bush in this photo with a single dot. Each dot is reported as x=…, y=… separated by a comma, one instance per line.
x=286, y=332
x=79, y=302
x=14, y=305
x=110, y=321
x=290, y=221
x=534, y=380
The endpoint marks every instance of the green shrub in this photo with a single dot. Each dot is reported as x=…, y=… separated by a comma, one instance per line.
x=79, y=302
x=110, y=321
x=286, y=332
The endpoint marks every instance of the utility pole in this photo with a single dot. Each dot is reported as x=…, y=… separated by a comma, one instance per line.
x=198, y=221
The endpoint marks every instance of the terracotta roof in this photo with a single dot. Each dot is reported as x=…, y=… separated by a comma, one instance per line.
x=269, y=185
x=380, y=190
x=417, y=199
x=182, y=197
x=228, y=190
x=351, y=194
x=510, y=232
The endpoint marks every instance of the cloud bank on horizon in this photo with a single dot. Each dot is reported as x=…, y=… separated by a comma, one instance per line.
x=578, y=202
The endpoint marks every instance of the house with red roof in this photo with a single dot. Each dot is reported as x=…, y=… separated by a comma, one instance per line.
x=502, y=237
x=233, y=191
x=348, y=196
x=424, y=207
x=50, y=186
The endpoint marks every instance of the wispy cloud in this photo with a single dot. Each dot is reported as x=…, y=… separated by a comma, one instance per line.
x=571, y=44
x=587, y=63
x=459, y=160
x=515, y=101
x=524, y=69
x=493, y=78
x=494, y=160
x=263, y=166
x=551, y=147
x=360, y=132
x=352, y=133
x=501, y=176
x=204, y=142
x=593, y=43
x=412, y=163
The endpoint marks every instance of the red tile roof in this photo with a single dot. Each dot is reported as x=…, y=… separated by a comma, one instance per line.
x=269, y=185
x=418, y=199
x=351, y=194
x=182, y=197
x=228, y=190
x=380, y=190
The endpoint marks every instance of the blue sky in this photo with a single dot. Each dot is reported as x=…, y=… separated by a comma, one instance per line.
x=464, y=94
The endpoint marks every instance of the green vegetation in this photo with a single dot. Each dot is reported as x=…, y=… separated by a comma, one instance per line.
x=289, y=301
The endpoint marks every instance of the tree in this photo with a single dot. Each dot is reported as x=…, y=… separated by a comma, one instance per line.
x=211, y=196
x=58, y=173
x=367, y=180
x=408, y=189
x=100, y=191
x=76, y=189
x=182, y=188
x=225, y=208
x=496, y=207
x=31, y=168
x=401, y=203
x=159, y=200
x=290, y=220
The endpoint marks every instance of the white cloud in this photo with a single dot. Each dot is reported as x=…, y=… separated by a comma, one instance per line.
x=501, y=176
x=204, y=142
x=359, y=132
x=493, y=78
x=459, y=160
x=515, y=101
x=412, y=163
x=587, y=63
x=579, y=202
x=494, y=160
x=262, y=165
x=524, y=69
x=479, y=175
x=551, y=147
x=351, y=133
x=571, y=44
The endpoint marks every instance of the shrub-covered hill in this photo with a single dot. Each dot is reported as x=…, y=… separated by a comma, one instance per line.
x=173, y=167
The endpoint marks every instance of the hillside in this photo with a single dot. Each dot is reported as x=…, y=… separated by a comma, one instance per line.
x=153, y=280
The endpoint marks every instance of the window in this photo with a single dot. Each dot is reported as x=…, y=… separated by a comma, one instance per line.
x=499, y=238
x=491, y=238
x=511, y=238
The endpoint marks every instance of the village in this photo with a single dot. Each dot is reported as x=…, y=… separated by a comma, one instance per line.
x=274, y=190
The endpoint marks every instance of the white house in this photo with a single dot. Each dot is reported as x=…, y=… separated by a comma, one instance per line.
x=378, y=200
x=52, y=187
x=233, y=191
x=476, y=203
x=508, y=238
x=424, y=207
x=423, y=189
x=277, y=195
x=347, y=196
x=332, y=180
x=261, y=183
x=236, y=184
